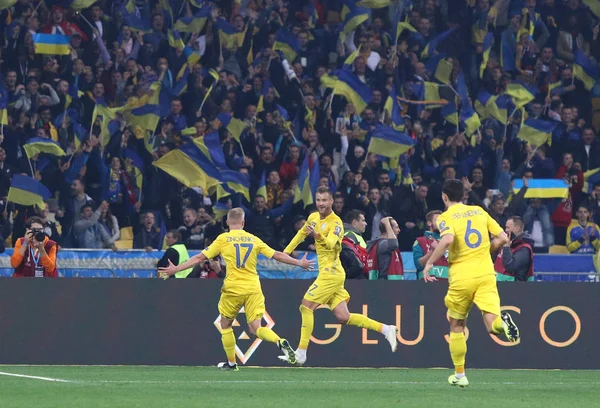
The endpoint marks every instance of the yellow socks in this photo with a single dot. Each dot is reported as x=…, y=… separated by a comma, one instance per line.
x=498, y=326
x=363, y=321
x=308, y=323
x=458, y=351
x=228, y=340
x=266, y=334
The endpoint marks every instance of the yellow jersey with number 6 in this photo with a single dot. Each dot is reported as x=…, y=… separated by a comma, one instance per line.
x=469, y=255
x=240, y=251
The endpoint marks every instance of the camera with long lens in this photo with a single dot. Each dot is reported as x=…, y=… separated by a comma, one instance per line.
x=38, y=234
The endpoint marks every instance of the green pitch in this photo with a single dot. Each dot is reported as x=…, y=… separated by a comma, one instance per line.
x=181, y=387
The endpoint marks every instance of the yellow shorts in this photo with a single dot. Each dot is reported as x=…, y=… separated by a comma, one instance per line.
x=463, y=293
x=328, y=292
x=254, y=306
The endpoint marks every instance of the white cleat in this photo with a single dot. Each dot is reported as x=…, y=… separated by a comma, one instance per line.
x=299, y=359
x=392, y=338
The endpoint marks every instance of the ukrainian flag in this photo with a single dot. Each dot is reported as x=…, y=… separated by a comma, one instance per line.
x=467, y=114
x=329, y=80
x=353, y=89
x=3, y=105
x=53, y=44
x=488, y=43
x=352, y=16
x=374, y=4
x=262, y=186
x=27, y=191
x=195, y=23
x=233, y=182
x=435, y=42
x=399, y=28
x=450, y=112
x=136, y=23
x=190, y=167
x=220, y=210
x=286, y=43
x=265, y=89
x=210, y=145
x=536, y=131
x=192, y=56
x=182, y=82
x=106, y=114
x=497, y=108
x=521, y=93
x=543, y=188
x=590, y=179
x=134, y=164
x=81, y=4
x=303, y=192
x=228, y=35
x=146, y=116
x=73, y=94
x=393, y=109
x=81, y=134
x=387, y=142
x=175, y=40
x=585, y=70
x=4, y=4
x=37, y=145
x=236, y=127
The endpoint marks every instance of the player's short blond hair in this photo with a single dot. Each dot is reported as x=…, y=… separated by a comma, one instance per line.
x=236, y=215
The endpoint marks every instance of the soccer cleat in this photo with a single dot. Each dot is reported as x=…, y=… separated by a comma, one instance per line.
x=510, y=328
x=392, y=338
x=225, y=366
x=288, y=351
x=299, y=359
x=461, y=382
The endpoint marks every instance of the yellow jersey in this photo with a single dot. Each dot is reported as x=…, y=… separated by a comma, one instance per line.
x=240, y=251
x=328, y=248
x=469, y=255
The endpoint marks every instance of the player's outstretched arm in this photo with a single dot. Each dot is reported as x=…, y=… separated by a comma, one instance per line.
x=498, y=242
x=303, y=263
x=437, y=253
x=190, y=263
x=297, y=240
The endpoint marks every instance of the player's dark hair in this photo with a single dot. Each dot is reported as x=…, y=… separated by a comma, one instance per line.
x=454, y=189
x=324, y=190
x=353, y=215
x=518, y=221
x=430, y=214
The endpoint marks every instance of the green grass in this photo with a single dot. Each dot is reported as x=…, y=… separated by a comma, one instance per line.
x=181, y=387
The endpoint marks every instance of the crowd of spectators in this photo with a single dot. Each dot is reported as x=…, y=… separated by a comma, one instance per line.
x=98, y=187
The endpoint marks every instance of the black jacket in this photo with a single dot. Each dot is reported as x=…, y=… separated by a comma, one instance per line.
x=350, y=262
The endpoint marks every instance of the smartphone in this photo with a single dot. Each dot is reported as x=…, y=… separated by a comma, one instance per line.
x=303, y=62
x=495, y=192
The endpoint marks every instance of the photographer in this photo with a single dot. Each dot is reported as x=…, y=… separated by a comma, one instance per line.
x=35, y=253
x=515, y=261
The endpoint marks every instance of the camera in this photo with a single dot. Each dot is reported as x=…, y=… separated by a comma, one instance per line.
x=38, y=234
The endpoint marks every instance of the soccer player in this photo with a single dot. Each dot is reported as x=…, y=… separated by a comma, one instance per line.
x=328, y=289
x=241, y=287
x=465, y=230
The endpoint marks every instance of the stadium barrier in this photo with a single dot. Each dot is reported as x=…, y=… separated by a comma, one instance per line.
x=155, y=322
x=86, y=263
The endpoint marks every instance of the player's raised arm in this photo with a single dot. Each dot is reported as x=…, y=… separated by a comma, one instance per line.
x=303, y=263
x=447, y=238
x=500, y=237
x=209, y=253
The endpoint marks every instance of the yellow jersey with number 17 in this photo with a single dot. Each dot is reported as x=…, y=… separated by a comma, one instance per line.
x=469, y=255
x=328, y=248
x=240, y=251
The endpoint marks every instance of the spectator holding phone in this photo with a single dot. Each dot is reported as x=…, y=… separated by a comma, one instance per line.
x=35, y=253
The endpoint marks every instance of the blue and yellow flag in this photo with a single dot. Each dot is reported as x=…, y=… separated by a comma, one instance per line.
x=467, y=114
x=352, y=17
x=590, y=179
x=267, y=84
x=230, y=38
x=210, y=145
x=134, y=164
x=106, y=115
x=488, y=43
x=3, y=105
x=233, y=182
x=220, y=209
x=27, y=191
x=190, y=167
x=303, y=192
x=81, y=4
x=441, y=68
x=262, y=186
x=392, y=107
x=134, y=22
x=37, y=145
x=435, y=43
x=399, y=27
x=536, y=131
x=314, y=179
x=388, y=142
x=73, y=94
x=53, y=44
x=585, y=70
x=146, y=116
x=497, y=107
x=195, y=23
x=521, y=93
x=543, y=188
x=233, y=125
x=374, y=4
x=353, y=89
x=287, y=43
x=174, y=39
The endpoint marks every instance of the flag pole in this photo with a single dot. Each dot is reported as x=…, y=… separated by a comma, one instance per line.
x=36, y=7
x=86, y=20
x=31, y=167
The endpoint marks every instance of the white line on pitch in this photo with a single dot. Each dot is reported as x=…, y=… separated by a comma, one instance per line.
x=35, y=377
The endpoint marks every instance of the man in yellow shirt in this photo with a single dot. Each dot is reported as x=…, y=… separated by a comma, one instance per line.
x=328, y=289
x=241, y=287
x=465, y=231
